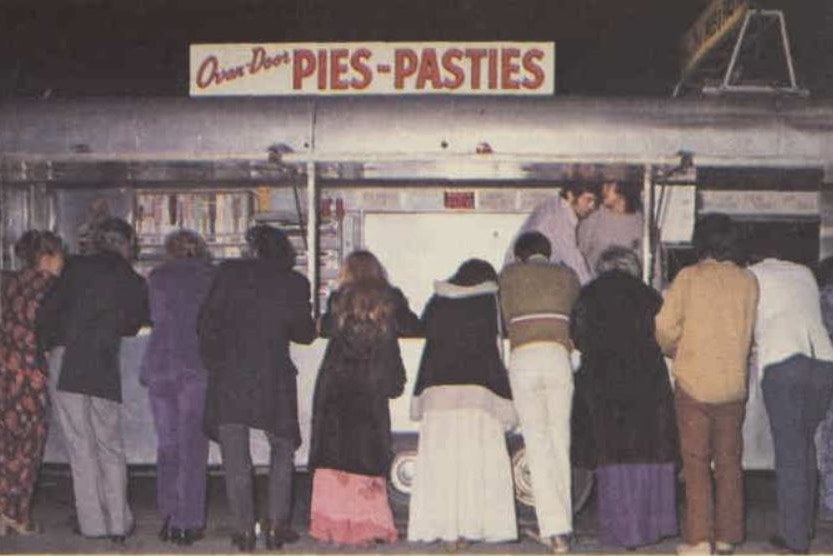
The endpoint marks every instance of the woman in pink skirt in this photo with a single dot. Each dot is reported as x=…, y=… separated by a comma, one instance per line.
x=351, y=442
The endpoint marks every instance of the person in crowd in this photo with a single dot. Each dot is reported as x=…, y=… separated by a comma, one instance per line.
x=462, y=488
x=537, y=297
x=557, y=219
x=362, y=369
x=624, y=423
x=705, y=325
x=176, y=380
x=618, y=221
x=24, y=398
x=256, y=306
x=98, y=299
x=363, y=266
x=795, y=356
x=825, y=280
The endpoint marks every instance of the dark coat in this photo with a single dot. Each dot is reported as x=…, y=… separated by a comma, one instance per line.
x=407, y=323
x=97, y=299
x=461, y=342
x=623, y=410
x=350, y=411
x=176, y=289
x=254, y=309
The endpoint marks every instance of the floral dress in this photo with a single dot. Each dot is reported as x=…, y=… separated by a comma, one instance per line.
x=24, y=399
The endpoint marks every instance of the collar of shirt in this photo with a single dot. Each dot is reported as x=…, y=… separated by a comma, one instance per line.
x=571, y=214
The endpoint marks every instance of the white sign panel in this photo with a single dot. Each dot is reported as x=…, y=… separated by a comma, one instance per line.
x=437, y=243
x=380, y=68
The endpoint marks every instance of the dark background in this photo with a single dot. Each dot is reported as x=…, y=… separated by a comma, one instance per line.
x=70, y=48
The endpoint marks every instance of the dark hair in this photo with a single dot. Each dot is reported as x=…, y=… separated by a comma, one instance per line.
x=271, y=243
x=532, y=243
x=33, y=244
x=186, y=244
x=364, y=308
x=632, y=194
x=115, y=235
x=473, y=272
x=618, y=258
x=716, y=236
x=577, y=188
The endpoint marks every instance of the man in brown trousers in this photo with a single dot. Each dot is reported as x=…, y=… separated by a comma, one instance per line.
x=706, y=326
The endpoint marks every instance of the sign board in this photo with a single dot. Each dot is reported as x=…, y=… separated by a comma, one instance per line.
x=375, y=68
x=718, y=19
x=435, y=244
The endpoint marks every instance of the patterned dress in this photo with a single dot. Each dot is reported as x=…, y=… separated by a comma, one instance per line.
x=24, y=399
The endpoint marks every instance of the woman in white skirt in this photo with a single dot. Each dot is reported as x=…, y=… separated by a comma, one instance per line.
x=463, y=480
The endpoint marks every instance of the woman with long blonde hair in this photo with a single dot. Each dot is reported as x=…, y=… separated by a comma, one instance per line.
x=362, y=267
x=351, y=442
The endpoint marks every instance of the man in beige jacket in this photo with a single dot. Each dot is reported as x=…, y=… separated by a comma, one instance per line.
x=706, y=326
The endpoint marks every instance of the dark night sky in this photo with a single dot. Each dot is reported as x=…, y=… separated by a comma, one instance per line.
x=140, y=47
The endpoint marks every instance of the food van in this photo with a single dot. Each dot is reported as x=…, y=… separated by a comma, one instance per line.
x=422, y=182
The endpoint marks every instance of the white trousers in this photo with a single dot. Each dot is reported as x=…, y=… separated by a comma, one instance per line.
x=542, y=388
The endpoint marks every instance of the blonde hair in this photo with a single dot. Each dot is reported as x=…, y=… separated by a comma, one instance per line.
x=361, y=266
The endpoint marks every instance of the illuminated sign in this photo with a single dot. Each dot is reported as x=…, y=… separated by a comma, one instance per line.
x=712, y=26
x=283, y=69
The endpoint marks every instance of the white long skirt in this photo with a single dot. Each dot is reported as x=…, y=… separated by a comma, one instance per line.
x=463, y=479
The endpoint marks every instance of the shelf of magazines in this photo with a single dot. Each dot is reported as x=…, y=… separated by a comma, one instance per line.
x=221, y=217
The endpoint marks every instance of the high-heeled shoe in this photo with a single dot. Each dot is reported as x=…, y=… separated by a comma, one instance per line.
x=9, y=525
x=245, y=542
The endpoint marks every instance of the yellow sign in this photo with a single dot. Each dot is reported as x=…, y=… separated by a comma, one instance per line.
x=717, y=20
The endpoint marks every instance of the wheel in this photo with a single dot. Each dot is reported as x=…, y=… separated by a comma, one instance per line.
x=403, y=469
x=582, y=482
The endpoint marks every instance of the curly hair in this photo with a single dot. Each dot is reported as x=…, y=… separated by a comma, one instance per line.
x=186, y=244
x=34, y=244
x=618, y=258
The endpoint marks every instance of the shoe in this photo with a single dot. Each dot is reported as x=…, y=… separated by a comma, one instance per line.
x=704, y=547
x=8, y=525
x=165, y=531
x=118, y=540
x=245, y=542
x=724, y=548
x=187, y=537
x=76, y=530
x=560, y=544
x=778, y=542
x=277, y=536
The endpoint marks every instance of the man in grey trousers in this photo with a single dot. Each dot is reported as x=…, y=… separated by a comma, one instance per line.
x=98, y=299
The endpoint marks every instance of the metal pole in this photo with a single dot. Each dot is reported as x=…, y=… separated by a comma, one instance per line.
x=312, y=228
x=312, y=220
x=647, y=226
x=787, y=54
x=736, y=50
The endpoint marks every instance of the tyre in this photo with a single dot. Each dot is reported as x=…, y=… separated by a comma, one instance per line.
x=402, y=469
x=582, y=482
